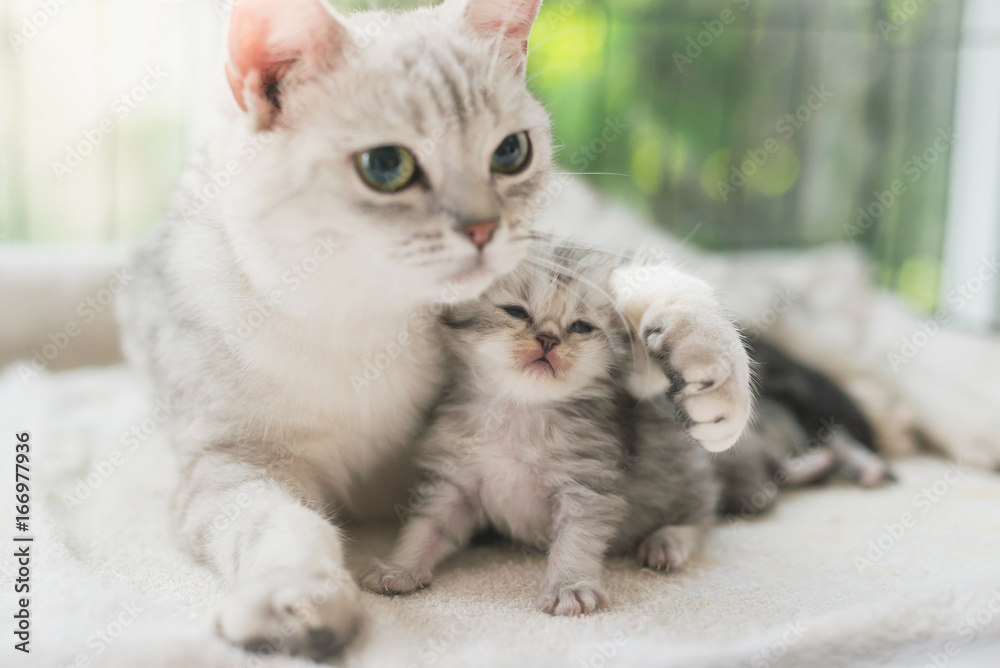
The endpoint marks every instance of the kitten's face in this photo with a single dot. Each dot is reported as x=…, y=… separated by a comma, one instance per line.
x=542, y=335
x=423, y=155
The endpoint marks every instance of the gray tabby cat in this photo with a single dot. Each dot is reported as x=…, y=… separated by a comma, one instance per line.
x=537, y=437
x=377, y=165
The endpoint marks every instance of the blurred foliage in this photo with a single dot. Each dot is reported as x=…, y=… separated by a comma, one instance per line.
x=679, y=107
x=704, y=88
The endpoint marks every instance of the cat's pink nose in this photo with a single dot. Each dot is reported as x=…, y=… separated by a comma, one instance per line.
x=480, y=233
x=547, y=341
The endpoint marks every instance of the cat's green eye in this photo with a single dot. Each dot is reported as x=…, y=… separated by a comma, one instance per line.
x=387, y=169
x=513, y=153
x=581, y=327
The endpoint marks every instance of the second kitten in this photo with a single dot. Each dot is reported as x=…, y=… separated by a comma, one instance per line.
x=537, y=439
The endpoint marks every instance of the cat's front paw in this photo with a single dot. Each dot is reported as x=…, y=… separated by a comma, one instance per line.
x=580, y=598
x=389, y=579
x=702, y=355
x=290, y=613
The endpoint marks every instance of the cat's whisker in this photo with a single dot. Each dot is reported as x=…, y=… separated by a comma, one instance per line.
x=545, y=70
x=589, y=174
x=566, y=31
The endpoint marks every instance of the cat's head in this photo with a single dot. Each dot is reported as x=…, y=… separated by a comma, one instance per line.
x=409, y=141
x=546, y=332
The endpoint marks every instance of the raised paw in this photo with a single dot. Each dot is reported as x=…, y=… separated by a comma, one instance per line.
x=580, y=598
x=702, y=356
x=669, y=547
x=390, y=579
x=287, y=612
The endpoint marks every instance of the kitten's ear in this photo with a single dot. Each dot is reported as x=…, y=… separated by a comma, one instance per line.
x=508, y=21
x=272, y=42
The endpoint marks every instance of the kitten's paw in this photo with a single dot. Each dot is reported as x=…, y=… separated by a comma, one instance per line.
x=702, y=355
x=580, y=598
x=390, y=579
x=669, y=547
x=858, y=464
x=290, y=613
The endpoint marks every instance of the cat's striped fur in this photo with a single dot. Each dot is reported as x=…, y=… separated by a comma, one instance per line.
x=291, y=318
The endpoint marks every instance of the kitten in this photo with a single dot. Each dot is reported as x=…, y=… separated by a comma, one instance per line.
x=806, y=431
x=537, y=437
x=826, y=416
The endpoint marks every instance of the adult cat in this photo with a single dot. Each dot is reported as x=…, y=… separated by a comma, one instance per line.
x=377, y=166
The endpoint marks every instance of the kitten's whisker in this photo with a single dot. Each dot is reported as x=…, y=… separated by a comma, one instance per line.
x=568, y=271
x=540, y=262
x=545, y=237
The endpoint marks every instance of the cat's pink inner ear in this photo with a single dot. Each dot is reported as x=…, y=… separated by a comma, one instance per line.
x=267, y=38
x=508, y=20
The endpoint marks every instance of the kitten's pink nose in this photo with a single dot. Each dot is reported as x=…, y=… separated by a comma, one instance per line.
x=547, y=341
x=480, y=232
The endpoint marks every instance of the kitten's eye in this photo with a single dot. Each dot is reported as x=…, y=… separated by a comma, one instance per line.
x=516, y=312
x=513, y=153
x=387, y=169
x=581, y=327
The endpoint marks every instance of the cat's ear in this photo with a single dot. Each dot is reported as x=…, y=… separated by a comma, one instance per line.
x=272, y=43
x=507, y=21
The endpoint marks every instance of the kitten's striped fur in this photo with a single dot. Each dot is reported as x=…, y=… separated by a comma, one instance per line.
x=560, y=456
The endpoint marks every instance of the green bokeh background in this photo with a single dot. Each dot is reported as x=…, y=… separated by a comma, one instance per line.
x=658, y=101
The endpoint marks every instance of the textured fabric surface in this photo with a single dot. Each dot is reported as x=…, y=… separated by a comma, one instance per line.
x=112, y=588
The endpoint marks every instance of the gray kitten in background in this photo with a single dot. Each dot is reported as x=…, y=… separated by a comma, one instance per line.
x=538, y=438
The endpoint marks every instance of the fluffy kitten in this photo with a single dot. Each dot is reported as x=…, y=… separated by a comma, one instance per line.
x=378, y=165
x=538, y=438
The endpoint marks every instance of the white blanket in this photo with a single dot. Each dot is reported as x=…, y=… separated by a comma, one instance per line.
x=907, y=576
